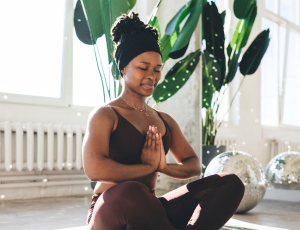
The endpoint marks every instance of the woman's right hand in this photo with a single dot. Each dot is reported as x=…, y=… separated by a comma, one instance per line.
x=151, y=149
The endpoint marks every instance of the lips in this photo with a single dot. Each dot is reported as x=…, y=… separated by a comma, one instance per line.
x=149, y=86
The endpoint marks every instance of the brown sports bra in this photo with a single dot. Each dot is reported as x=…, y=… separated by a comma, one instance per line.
x=126, y=141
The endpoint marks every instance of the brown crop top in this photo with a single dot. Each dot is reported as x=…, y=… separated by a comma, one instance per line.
x=126, y=142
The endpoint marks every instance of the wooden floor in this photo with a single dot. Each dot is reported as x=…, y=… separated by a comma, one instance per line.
x=71, y=212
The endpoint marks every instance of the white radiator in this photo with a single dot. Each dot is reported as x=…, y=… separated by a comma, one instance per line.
x=40, y=147
x=228, y=140
x=282, y=145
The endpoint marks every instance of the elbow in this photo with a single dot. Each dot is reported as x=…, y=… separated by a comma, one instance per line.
x=198, y=172
x=198, y=169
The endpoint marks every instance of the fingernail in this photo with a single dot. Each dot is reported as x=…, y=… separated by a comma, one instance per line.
x=157, y=135
x=147, y=132
x=153, y=128
x=149, y=127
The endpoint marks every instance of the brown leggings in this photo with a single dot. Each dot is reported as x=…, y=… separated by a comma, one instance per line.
x=205, y=204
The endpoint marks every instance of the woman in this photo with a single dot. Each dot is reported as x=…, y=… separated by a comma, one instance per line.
x=125, y=145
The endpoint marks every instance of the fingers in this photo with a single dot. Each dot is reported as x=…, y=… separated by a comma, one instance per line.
x=157, y=144
x=153, y=138
x=147, y=138
x=161, y=141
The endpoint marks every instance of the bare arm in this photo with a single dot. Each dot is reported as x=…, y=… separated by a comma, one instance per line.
x=96, y=162
x=188, y=162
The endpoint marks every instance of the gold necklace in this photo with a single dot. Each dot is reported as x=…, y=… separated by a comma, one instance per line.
x=139, y=110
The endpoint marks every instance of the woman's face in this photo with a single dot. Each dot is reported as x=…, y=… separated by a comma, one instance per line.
x=141, y=74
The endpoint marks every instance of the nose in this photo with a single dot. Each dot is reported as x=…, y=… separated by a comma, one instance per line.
x=152, y=74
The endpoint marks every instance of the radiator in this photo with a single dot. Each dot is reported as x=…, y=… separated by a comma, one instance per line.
x=40, y=147
x=282, y=145
x=228, y=140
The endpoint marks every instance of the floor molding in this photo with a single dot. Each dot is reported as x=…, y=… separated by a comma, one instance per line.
x=282, y=194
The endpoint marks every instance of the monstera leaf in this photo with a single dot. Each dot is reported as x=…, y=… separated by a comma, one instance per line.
x=184, y=36
x=213, y=34
x=254, y=54
x=177, y=77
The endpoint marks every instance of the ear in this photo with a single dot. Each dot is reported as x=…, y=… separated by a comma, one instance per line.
x=123, y=71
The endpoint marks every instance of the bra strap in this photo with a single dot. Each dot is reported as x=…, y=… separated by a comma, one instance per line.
x=115, y=110
x=166, y=124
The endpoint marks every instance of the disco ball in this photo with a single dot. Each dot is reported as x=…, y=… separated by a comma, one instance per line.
x=283, y=171
x=248, y=169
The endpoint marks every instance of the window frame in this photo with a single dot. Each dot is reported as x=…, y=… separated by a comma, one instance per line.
x=66, y=74
x=280, y=21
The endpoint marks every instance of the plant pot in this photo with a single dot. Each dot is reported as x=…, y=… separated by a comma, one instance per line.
x=209, y=152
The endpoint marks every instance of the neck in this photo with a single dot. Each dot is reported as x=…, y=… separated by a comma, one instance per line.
x=135, y=100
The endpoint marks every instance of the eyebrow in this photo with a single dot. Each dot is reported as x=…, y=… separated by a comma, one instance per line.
x=149, y=63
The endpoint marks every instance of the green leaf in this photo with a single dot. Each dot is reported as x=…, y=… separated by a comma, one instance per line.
x=177, y=19
x=214, y=39
x=153, y=13
x=243, y=29
x=165, y=47
x=232, y=64
x=212, y=70
x=223, y=16
x=242, y=8
x=182, y=42
x=208, y=87
x=101, y=14
x=153, y=20
x=254, y=54
x=131, y=3
x=81, y=26
x=176, y=77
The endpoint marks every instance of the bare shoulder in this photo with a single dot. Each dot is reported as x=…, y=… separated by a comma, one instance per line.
x=102, y=114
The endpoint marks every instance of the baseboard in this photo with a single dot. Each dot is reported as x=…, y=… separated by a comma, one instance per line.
x=282, y=194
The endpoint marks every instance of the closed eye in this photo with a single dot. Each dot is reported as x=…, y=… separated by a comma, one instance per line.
x=147, y=69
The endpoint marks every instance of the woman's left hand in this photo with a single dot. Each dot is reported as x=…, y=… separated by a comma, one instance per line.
x=163, y=163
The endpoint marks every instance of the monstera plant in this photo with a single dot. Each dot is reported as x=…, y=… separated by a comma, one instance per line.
x=220, y=63
x=94, y=18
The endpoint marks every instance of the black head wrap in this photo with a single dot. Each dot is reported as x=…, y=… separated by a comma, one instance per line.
x=133, y=46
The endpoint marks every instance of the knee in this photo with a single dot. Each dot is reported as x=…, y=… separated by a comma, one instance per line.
x=234, y=181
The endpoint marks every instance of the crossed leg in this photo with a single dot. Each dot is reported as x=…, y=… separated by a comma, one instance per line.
x=131, y=206
x=206, y=203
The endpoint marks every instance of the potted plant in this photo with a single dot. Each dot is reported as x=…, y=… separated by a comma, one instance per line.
x=92, y=20
x=220, y=64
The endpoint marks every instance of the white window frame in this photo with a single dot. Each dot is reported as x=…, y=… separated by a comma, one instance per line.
x=276, y=18
x=66, y=79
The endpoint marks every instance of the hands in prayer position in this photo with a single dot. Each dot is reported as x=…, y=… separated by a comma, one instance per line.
x=153, y=152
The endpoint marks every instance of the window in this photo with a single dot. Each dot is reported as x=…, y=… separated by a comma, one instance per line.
x=280, y=74
x=32, y=47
